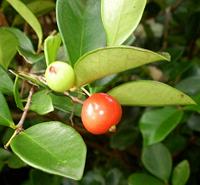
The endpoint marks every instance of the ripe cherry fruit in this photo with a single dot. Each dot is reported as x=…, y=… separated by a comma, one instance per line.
x=60, y=76
x=100, y=112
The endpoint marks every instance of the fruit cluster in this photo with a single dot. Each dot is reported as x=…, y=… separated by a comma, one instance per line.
x=100, y=111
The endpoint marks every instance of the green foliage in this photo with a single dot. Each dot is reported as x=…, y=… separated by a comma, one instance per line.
x=120, y=18
x=159, y=94
x=140, y=178
x=42, y=108
x=38, y=7
x=8, y=47
x=54, y=155
x=17, y=97
x=22, y=9
x=155, y=125
x=181, y=173
x=79, y=23
x=111, y=60
x=5, y=115
x=51, y=46
x=6, y=84
x=43, y=128
x=157, y=160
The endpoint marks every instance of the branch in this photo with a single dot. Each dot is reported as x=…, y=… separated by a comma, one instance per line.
x=19, y=126
x=26, y=108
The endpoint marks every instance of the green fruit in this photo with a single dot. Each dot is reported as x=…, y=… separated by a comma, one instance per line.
x=60, y=76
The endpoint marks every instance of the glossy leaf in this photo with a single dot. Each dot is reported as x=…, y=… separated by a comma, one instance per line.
x=5, y=116
x=141, y=178
x=23, y=41
x=25, y=46
x=8, y=47
x=156, y=124
x=51, y=46
x=17, y=98
x=157, y=160
x=62, y=103
x=80, y=26
x=61, y=149
x=181, y=173
x=38, y=7
x=149, y=93
x=26, y=13
x=41, y=102
x=120, y=18
x=107, y=61
x=65, y=104
x=6, y=84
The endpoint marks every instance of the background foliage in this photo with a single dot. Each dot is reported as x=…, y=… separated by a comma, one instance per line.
x=159, y=145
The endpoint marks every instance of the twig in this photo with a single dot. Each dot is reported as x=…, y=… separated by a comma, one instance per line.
x=19, y=126
x=26, y=108
x=74, y=99
x=85, y=91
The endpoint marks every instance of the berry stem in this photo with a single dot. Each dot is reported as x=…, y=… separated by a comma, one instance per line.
x=74, y=99
x=85, y=91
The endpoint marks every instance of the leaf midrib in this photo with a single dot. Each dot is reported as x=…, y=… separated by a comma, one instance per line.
x=41, y=146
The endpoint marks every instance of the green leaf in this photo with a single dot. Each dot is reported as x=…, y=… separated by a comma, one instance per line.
x=157, y=160
x=5, y=116
x=120, y=18
x=33, y=79
x=106, y=61
x=15, y=162
x=29, y=17
x=51, y=46
x=6, y=84
x=23, y=41
x=94, y=177
x=38, y=7
x=124, y=137
x=17, y=98
x=62, y=103
x=41, y=178
x=8, y=47
x=141, y=178
x=65, y=104
x=193, y=122
x=52, y=147
x=30, y=57
x=189, y=85
x=149, y=93
x=4, y=154
x=156, y=124
x=181, y=173
x=80, y=26
x=25, y=46
x=41, y=102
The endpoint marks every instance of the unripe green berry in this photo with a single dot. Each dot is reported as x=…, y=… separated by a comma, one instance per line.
x=60, y=76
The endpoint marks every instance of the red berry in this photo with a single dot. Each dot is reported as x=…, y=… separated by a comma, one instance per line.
x=100, y=112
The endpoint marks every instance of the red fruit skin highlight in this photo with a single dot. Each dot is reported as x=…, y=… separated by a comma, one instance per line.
x=100, y=112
